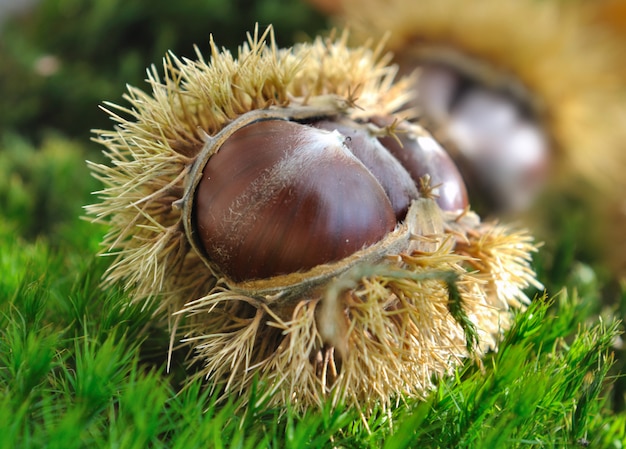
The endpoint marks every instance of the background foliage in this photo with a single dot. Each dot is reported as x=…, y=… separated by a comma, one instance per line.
x=80, y=369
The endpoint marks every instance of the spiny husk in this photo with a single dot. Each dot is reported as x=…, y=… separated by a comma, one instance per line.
x=375, y=333
x=567, y=69
x=372, y=332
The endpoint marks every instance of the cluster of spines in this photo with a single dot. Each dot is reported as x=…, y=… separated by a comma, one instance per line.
x=401, y=324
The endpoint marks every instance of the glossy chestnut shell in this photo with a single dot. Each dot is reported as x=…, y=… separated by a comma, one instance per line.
x=279, y=196
x=290, y=196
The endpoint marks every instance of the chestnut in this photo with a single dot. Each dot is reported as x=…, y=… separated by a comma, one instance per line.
x=421, y=155
x=279, y=197
x=264, y=205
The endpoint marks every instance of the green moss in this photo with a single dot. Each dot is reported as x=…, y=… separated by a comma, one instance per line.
x=80, y=368
x=42, y=190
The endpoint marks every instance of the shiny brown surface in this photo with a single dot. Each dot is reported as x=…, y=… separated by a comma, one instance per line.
x=394, y=179
x=422, y=156
x=280, y=197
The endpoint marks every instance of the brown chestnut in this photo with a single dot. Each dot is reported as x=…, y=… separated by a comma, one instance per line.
x=280, y=197
x=393, y=177
x=421, y=155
